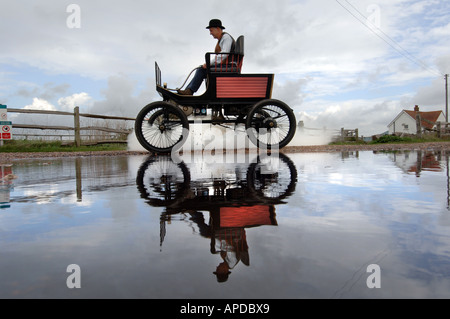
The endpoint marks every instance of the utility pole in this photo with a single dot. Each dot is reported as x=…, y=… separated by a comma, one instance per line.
x=446, y=98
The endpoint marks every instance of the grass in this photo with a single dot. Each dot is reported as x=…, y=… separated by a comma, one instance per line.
x=392, y=139
x=15, y=146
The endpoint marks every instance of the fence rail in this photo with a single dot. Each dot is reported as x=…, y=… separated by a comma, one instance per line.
x=61, y=137
x=442, y=128
x=106, y=117
x=76, y=128
x=349, y=135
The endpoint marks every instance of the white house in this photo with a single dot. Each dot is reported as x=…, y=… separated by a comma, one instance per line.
x=405, y=121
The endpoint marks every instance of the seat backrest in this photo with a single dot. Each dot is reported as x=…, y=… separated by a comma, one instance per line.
x=239, y=52
x=239, y=46
x=234, y=61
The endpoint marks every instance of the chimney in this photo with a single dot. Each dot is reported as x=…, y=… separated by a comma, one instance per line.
x=416, y=108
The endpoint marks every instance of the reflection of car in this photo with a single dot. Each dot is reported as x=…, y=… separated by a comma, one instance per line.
x=241, y=196
x=267, y=181
x=232, y=97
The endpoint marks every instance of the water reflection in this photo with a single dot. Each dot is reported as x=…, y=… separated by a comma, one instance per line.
x=6, y=184
x=47, y=180
x=417, y=161
x=236, y=198
x=303, y=226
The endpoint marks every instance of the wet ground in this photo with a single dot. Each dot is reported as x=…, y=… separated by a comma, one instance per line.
x=356, y=224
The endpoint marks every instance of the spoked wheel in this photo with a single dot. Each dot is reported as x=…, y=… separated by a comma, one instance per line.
x=270, y=124
x=160, y=126
x=272, y=178
x=162, y=182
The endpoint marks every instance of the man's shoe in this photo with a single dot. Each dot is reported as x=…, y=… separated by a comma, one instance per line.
x=185, y=92
x=218, y=118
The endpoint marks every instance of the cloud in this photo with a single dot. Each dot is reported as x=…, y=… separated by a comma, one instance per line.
x=322, y=56
x=37, y=104
x=122, y=98
x=370, y=117
x=115, y=37
x=443, y=63
x=40, y=104
x=291, y=91
x=68, y=103
x=47, y=91
x=431, y=97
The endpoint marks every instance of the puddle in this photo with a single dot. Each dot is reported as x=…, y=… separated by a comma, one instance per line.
x=306, y=225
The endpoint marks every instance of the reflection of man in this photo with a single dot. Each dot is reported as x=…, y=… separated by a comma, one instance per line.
x=231, y=243
x=228, y=242
x=222, y=271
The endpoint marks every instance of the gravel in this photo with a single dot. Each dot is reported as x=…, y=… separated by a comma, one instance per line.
x=6, y=157
x=437, y=146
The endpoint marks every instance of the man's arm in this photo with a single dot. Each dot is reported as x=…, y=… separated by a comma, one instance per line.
x=225, y=47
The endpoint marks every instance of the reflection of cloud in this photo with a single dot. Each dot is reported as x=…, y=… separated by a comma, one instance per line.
x=117, y=204
x=72, y=199
x=367, y=208
x=44, y=195
x=346, y=213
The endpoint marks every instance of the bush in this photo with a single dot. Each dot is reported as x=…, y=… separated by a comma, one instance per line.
x=393, y=139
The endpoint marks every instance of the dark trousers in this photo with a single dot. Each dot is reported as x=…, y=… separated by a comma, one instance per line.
x=199, y=76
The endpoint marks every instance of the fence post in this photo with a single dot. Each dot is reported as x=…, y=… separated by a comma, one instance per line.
x=76, y=119
x=418, y=125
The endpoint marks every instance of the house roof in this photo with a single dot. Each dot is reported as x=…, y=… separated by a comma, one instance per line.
x=426, y=117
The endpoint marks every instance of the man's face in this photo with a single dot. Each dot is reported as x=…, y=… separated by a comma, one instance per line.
x=215, y=32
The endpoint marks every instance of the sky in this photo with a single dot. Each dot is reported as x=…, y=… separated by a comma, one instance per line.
x=337, y=63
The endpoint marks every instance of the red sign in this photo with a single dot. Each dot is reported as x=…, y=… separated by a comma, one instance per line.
x=6, y=136
x=5, y=170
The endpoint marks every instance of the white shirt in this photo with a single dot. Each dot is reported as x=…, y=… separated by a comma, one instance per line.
x=225, y=44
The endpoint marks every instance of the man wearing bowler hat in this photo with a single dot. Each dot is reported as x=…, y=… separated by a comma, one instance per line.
x=225, y=44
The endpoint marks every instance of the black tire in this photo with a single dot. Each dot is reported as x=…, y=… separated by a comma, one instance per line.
x=160, y=126
x=162, y=182
x=273, y=186
x=270, y=124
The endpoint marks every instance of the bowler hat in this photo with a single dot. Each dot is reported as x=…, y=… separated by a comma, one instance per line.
x=215, y=23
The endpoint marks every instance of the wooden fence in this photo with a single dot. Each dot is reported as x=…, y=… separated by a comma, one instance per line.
x=440, y=128
x=349, y=135
x=443, y=129
x=76, y=127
